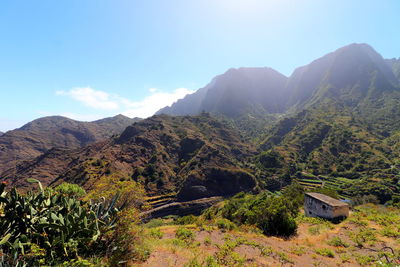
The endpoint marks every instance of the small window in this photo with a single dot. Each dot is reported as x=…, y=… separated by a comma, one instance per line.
x=324, y=207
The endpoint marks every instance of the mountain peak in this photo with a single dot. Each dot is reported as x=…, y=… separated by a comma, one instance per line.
x=237, y=91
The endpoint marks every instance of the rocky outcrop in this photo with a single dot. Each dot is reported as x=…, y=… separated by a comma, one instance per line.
x=216, y=182
x=194, y=207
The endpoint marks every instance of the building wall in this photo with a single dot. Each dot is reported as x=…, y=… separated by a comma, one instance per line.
x=317, y=208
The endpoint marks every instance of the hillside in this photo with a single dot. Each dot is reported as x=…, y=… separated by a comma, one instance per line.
x=255, y=91
x=350, y=75
x=194, y=156
x=38, y=136
x=334, y=122
x=362, y=240
x=395, y=65
x=346, y=126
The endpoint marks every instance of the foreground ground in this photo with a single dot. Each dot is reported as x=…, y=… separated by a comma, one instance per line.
x=369, y=237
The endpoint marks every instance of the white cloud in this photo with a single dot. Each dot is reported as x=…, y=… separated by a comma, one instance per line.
x=105, y=101
x=152, y=103
x=92, y=98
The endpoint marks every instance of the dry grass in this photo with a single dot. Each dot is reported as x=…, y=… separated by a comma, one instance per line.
x=212, y=247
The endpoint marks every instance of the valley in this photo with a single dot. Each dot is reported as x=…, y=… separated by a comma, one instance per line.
x=218, y=178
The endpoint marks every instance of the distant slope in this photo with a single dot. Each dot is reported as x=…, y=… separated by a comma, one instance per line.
x=1, y=133
x=335, y=122
x=348, y=75
x=235, y=93
x=38, y=136
x=195, y=156
x=395, y=65
x=347, y=124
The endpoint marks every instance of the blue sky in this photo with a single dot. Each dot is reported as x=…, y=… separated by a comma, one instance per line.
x=89, y=59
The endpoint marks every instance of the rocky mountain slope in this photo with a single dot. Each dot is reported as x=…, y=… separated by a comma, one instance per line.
x=334, y=122
x=38, y=136
x=350, y=75
x=395, y=65
x=194, y=156
x=238, y=91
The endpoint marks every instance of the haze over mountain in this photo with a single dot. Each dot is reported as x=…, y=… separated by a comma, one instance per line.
x=395, y=65
x=38, y=136
x=236, y=92
x=338, y=116
x=350, y=74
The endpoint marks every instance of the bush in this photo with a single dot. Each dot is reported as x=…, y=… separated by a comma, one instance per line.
x=337, y=242
x=184, y=234
x=71, y=190
x=274, y=215
x=326, y=252
x=225, y=225
x=189, y=219
x=156, y=233
x=154, y=223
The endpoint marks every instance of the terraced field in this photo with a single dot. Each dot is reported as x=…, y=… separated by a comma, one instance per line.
x=336, y=183
x=157, y=201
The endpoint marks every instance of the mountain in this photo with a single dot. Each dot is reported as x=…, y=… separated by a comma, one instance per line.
x=349, y=75
x=240, y=91
x=1, y=133
x=334, y=122
x=194, y=156
x=38, y=136
x=344, y=122
x=395, y=65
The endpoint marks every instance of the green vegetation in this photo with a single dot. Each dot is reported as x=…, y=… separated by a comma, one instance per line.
x=325, y=252
x=337, y=242
x=71, y=190
x=52, y=226
x=274, y=215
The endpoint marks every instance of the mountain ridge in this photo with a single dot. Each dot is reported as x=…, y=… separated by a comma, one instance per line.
x=337, y=121
x=307, y=85
x=40, y=135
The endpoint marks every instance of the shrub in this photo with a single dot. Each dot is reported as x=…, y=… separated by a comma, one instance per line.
x=274, y=215
x=298, y=250
x=391, y=231
x=362, y=236
x=284, y=258
x=156, y=233
x=184, y=234
x=207, y=241
x=131, y=193
x=154, y=223
x=225, y=225
x=337, y=242
x=189, y=219
x=326, y=252
x=71, y=190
